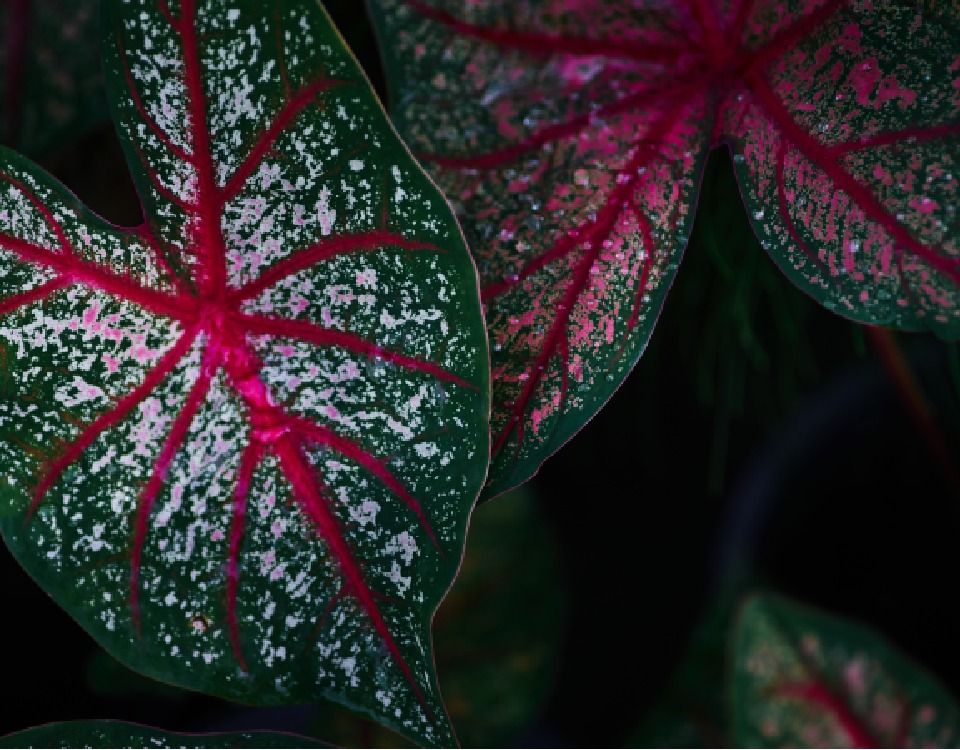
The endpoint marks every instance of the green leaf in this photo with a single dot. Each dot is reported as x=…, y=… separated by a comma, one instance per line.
x=96, y=734
x=571, y=138
x=243, y=440
x=51, y=87
x=801, y=678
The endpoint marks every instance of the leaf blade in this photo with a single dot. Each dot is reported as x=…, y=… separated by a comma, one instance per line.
x=577, y=207
x=248, y=511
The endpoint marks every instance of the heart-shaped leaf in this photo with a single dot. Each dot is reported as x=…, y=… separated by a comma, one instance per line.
x=241, y=442
x=570, y=136
x=50, y=82
x=805, y=679
x=123, y=734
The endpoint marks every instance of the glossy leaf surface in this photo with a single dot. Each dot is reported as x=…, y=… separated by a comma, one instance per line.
x=570, y=136
x=801, y=678
x=51, y=87
x=96, y=734
x=241, y=442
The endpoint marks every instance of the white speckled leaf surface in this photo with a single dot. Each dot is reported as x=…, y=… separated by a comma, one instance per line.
x=241, y=442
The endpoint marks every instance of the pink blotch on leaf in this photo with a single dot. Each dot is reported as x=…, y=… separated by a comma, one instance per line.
x=924, y=204
x=882, y=175
x=891, y=89
x=850, y=41
x=578, y=69
x=542, y=412
x=504, y=113
x=854, y=676
x=864, y=79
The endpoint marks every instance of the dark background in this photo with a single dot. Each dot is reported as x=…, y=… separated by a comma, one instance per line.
x=760, y=441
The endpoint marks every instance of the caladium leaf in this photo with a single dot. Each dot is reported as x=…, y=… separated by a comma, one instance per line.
x=242, y=441
x=51, y=87
x=801, y=678
x=107, y=733
x=570, y=136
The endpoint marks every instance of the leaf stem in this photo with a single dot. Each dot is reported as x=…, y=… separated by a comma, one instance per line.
x=915, y=402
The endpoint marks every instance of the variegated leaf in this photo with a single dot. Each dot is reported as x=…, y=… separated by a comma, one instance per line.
x=242, y=441
x=571, y=134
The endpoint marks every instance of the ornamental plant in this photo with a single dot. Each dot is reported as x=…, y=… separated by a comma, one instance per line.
x=242, y=441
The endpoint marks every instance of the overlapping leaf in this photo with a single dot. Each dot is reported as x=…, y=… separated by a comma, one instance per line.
x=123, y=734
x=804, y=679
x=570, y=136
x=51, y=87
x=242, y=441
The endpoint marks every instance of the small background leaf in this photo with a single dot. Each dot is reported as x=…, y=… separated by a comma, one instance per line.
x=806, y=679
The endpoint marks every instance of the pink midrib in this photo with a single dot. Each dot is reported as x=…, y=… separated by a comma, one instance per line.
x=210, y=236
x=287, y=446
x=818, y=695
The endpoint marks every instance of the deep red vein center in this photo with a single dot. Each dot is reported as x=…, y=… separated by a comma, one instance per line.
x=286, y=438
